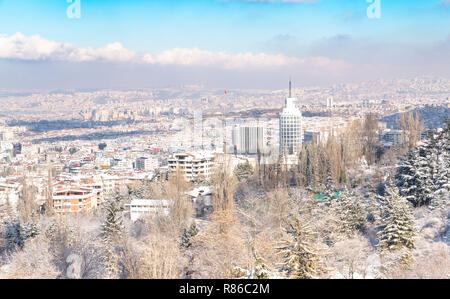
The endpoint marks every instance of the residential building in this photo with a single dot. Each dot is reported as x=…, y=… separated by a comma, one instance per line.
x=193, y=165
x=146, y=163
x=68, y=199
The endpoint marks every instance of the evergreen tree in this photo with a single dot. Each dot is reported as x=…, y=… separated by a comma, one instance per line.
x=302, y=260
x=442, y=180
x=308, y=170
x=16, y=233
x=30, y=229
x=188, y=234
x=398, y=222
x=371, y=204
x=243, y=171
x=441, y=194
x=441, y=200
x=350, y=213
x=111, y=231
x=330, y=190
x=423, y=175
x=414, y=178
x=406, y=175
x=442, y=177
x=425, y=169
x=113, y=224
x=261, y=271
x=140, y=192
x=329, y=183
x=13, y=234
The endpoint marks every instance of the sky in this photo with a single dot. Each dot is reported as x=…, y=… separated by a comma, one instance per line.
x=219, y=43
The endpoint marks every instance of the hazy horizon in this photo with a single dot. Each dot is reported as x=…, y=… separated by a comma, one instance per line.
x=219, y=44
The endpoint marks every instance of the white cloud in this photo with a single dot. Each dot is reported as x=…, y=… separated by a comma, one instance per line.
x=196, y=57
x=240, y=61
x=36, y=48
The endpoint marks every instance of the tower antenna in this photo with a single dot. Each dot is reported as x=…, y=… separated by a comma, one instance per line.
x=290, y=87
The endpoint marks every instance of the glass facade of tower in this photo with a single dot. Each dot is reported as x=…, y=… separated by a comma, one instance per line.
x=248, y=140
x=291, y=130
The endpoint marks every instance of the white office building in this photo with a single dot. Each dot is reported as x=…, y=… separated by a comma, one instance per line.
x=291, y=129
x=140, y=208
x=330, y=103
x=248, y=140
x=146, y=163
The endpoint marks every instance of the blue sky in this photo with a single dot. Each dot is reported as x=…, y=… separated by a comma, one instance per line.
x=143, y=25
x=336, y=29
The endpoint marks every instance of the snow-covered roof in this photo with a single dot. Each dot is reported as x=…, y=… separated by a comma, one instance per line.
x=149, y=202
x=203, y=190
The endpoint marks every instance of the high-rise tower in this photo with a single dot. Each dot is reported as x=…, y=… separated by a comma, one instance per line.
x=291, y=130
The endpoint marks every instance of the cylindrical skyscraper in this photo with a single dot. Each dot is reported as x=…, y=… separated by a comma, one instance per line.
x=291, y=130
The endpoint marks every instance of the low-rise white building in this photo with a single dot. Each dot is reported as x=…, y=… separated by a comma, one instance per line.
x=143, y=207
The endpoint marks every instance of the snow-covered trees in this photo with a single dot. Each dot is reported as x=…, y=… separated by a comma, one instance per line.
x=329, y=192
x=423, y=173
x=351, y=214
x=414, y=178
x=243, y=171
x=188, y=234
x=113, y=224
x=155, y=256
x=350, y=257
x=261, y=271
x=441, y=194
x=329, y=183
x=35, y=261
x=111, y=231
x=301, y=258
x=398, y=222
x=16, y=233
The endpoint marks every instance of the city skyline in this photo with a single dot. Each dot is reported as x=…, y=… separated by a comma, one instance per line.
x=229, y=44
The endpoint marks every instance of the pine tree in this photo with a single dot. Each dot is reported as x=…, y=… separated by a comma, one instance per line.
x=406, y=175
x=442, y=179
x=371, y=204
x=308, y=170
x=13, y=234
x=398, y=222
x=261, y=271
x=111, y=232
x=114, y=223
x=186, y=238
x=16, y=233
x=441, y=200
x=329, y=183
x=424, y=192
x=243, y=171
x=302, y=260
x=414, y=178
x=441, y=194
x=329, y=193
x=30, y=229
x=350, y=213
